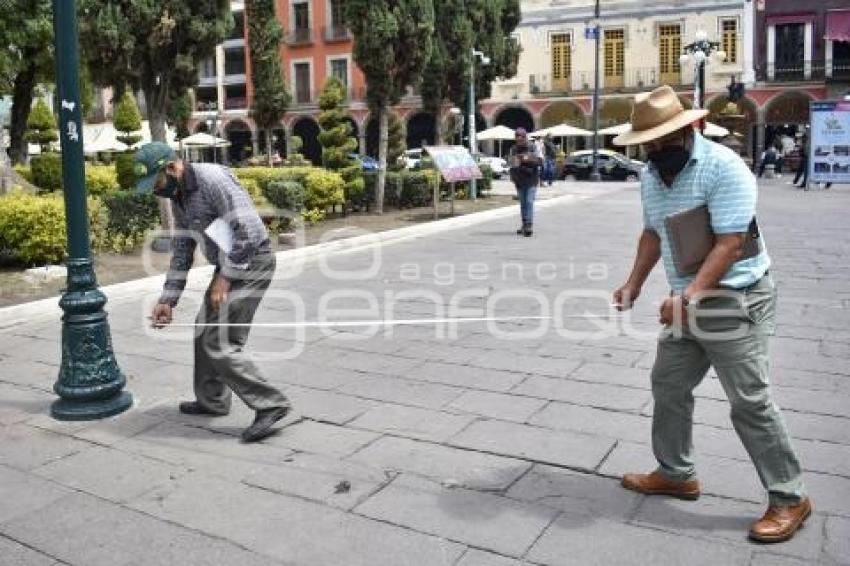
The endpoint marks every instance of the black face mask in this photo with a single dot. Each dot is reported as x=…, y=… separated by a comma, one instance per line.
x=670, y=160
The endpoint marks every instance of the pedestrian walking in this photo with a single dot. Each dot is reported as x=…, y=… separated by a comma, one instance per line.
x=549, y=154
x=768, y=157
x=728, y=299
x=803, y=168
x=525, y=161
x=211, y=207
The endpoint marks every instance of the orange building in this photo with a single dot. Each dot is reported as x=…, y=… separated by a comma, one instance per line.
x=316, y=45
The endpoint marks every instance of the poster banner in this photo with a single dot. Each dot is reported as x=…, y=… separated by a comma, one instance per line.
x=829, y=150
x=454, y=163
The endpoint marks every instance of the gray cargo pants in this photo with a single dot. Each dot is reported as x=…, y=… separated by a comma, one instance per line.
x=222, y=364
x=742, y=365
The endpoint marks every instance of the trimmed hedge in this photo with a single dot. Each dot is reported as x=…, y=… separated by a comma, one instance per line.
x=32, y=228
x=101, y=180
x=130, y=217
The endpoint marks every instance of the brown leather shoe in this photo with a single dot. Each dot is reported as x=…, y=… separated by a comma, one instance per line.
x=656, y=484
x=780, y=523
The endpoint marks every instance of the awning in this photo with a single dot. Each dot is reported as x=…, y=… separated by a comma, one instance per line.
x=837, y=25
x=796, y=18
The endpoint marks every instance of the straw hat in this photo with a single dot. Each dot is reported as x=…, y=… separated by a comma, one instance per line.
x=656, y=114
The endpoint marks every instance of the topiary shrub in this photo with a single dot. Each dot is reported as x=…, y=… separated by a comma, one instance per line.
x=47, y=172
x=124, y=163
x=286, y=195
x=323, y=190
x=392, y=188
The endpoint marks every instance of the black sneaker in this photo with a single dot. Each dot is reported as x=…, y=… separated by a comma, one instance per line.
x=528, y=231
x=195, y=408
x=263, y=422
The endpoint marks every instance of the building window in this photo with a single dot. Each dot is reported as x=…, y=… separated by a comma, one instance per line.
x=790, y=51
x=729, y=39
x=615, y=57
x=234, y=62
x=206, y=69
x=669, y=51
x=561, y=60
x=337, y=13
x=301, y=16
x=303, y=88
x=339, y=70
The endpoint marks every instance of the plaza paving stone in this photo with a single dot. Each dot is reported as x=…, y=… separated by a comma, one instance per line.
x=440, y=445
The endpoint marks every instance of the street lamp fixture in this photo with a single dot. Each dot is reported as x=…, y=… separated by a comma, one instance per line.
x=473, y=186
x=700, y=53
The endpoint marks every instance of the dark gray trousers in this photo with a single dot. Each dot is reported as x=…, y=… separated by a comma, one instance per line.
x=222, y=364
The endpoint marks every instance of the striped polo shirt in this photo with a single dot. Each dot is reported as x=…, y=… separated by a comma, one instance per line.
x=714, y=176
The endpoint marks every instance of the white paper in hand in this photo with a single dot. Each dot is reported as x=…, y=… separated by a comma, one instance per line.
x=220, y=232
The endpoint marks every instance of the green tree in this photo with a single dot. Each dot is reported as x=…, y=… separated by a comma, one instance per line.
x=127, y=119
x=179, y=113
x=41, y=126
x=26, y=59
x=396, y=142
x=152, y=46
x=271, y=97
x=392, y=44
x=485, y=25
x=337, y=141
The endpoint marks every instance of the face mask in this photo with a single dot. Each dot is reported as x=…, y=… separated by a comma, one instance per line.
x=172, y=185
x=670, y=160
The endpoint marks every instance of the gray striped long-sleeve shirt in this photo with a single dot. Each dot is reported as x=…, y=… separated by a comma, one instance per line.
x=212, y=192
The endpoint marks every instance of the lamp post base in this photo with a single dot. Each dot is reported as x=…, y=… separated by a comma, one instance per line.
x=90, y=383
x=69, y=410
x=595, y=177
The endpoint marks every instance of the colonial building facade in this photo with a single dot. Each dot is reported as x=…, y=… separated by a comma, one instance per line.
x=786, y=52
x=317, y=45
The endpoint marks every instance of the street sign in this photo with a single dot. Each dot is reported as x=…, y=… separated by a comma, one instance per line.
x=591, y=32
x=454, y=163
x=829, y=147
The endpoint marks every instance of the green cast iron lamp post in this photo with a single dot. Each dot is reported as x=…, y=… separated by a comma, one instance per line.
x=90, y=384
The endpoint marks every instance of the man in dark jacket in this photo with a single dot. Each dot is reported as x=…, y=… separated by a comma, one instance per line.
x=525, y=162
x=211, y=207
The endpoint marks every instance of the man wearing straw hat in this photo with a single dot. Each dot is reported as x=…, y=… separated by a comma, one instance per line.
x=719, y=314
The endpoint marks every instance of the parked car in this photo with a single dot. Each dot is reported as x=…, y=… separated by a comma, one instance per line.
x=366, y=162
x=412, y=157
x=613, y=166
x=497, y=165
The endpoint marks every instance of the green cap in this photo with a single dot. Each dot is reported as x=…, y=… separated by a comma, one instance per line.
x=151, y=158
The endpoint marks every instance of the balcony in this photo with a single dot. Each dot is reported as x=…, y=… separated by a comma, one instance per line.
x=336, y=34
x=207, y=80
x=838, y=70
x=632, y=80
x=236, y=103
x=803, y=71
x=234, y=43
x=299, y=37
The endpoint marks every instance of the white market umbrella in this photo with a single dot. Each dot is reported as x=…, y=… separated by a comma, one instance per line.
x=714, y=131
x=496, y=133
x=203, y=139
x=99, y=138
x=562, y=131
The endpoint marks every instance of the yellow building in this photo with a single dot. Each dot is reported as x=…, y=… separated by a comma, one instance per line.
x=640, y=46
